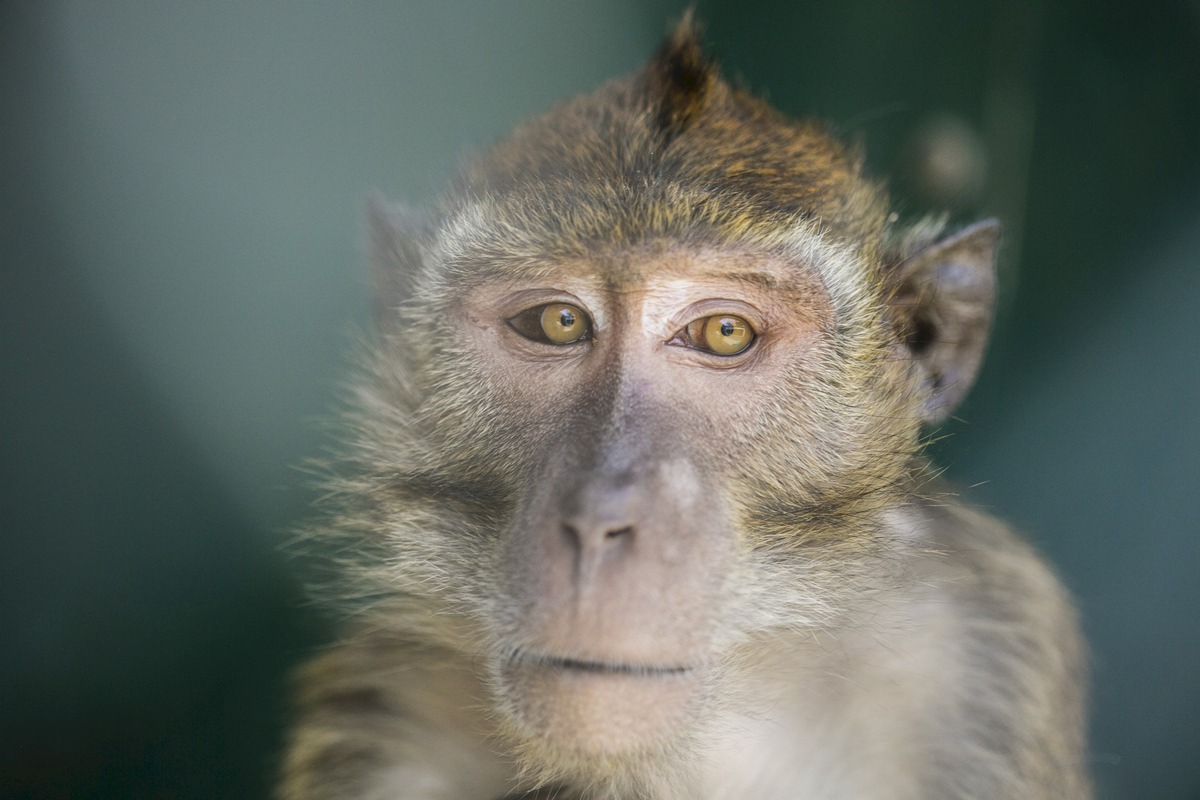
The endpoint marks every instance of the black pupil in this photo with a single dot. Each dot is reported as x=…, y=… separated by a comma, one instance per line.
x=726, y=328
x=566, y=319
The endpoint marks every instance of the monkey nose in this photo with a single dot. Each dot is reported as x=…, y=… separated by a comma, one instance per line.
x=595, y=548
x=599, y=523
x=585, y=533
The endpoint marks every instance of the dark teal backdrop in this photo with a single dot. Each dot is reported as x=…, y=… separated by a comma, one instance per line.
x=181, y=274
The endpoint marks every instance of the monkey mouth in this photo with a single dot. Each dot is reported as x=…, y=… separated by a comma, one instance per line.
x=517, y=656
x=588, y=706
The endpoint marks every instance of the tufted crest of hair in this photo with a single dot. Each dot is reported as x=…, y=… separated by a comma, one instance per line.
x=675, y=150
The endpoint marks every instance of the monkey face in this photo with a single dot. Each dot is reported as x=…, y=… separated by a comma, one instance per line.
x=619, y=465
x=643, y=385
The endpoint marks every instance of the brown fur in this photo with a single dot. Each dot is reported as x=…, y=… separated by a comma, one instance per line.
x=624, y=568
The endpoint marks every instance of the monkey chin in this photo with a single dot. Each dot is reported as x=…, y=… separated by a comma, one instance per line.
x=575, y=711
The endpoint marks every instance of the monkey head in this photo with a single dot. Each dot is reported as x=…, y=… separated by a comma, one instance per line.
x=645, y=385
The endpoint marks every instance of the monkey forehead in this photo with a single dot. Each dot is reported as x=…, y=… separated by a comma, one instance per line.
x=622, y=149
x=481, y=243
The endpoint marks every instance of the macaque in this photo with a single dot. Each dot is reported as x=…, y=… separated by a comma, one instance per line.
x=633, y=502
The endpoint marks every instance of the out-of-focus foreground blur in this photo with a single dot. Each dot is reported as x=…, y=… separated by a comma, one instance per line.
x=181, y=274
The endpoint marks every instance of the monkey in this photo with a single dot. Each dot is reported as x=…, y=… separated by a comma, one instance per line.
x=634, y=502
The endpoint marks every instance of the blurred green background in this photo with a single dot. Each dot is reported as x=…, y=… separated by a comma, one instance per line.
x=182, y=274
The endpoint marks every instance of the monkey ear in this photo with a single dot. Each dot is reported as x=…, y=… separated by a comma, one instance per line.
x=942, y=301
x=394, y=242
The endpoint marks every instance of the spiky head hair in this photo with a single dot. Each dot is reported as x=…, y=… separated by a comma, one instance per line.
x=674, y=149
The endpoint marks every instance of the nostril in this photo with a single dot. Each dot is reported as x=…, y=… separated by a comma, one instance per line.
x=581, y=537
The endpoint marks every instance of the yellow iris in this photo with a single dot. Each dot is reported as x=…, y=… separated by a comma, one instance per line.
x=562, y=323
x=723, y=334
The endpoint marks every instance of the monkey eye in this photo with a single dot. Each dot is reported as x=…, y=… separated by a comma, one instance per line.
x=554, y=323
x=720, y=334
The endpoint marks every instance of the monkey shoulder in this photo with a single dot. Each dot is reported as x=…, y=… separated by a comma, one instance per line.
x=964, y=553
x=983, y=649
x=994, y=596
x=382, y=716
